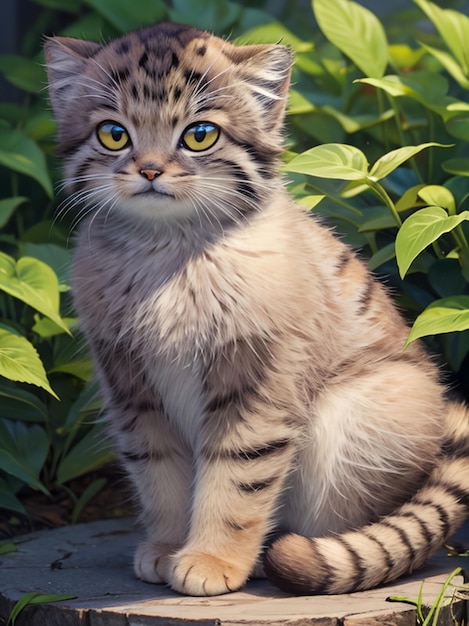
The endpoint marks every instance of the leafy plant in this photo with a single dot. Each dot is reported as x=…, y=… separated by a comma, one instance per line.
x=406, y=211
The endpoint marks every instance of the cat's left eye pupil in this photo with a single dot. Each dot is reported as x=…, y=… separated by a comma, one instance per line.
x=200, y=134
x=116, y=133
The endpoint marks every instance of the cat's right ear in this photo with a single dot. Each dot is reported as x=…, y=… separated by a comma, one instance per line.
x=66, y=59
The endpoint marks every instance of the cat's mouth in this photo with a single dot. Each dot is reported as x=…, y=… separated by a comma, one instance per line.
x=153, y=193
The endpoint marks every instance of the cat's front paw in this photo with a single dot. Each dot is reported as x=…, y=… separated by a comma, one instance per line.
x=152, y=562
x=199, y=574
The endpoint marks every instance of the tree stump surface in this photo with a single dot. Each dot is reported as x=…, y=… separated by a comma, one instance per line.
x=93, y=562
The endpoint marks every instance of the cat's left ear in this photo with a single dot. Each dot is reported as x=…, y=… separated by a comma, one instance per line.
x=66, y=59
x=267, y=70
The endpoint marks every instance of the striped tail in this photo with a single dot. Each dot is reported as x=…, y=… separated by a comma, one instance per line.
x=397, y=544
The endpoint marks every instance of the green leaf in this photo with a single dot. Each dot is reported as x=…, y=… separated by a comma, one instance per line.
x=310, y=201
x=437, y=195
x=34, y=283
x=56, y=257
x=392, y=160
x=441, y=316
x=449, y=63
x=46, y=328
x=427, y=88
x=9, y=501
x=458, y=125
x=21, y=154
x=34, y=598
x=14, y=451
x=8, y=207
x=20, y=362
x=331, y=160
x=453, y=28
x=92, y=489
x=19, y=404
x=125, y=15
x=459, y=167
x=22, y=72
x=356, y=32
x=384, y=254
x=420, y=230
x=90, y=452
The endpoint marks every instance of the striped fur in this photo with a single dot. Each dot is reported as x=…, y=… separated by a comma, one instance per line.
x=252, y=369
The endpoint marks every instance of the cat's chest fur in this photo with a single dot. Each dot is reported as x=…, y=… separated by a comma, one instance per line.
x=164, y=304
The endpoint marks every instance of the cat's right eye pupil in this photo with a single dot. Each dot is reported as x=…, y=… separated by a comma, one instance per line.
x=116, y=133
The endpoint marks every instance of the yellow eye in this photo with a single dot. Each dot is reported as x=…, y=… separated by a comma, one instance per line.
x=113, y=136
x=201, y=136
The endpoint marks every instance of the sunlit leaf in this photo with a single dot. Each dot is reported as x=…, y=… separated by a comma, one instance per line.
x=356, y=31
x=437, y=195
x=442, y=316
x=33, y=282
x=449, y=63
x=392, y=160
x=420, y=230
x=331, y=160
x=20, y=362
x=453, y=27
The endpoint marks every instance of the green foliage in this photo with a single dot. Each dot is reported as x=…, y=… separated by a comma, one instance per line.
x=403, y=107
x=362, y=94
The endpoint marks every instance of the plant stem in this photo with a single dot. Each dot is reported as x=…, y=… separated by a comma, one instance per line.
x=337, y=199
x=386, y=199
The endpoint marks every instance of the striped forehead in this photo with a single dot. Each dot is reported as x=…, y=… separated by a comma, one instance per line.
x=150, y=71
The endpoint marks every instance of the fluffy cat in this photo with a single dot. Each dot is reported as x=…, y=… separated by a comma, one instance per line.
x=252, y=370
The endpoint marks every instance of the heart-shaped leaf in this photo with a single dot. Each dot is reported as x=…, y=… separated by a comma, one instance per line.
x=420, y=230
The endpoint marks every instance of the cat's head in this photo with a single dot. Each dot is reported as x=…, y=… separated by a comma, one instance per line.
x=169, y=121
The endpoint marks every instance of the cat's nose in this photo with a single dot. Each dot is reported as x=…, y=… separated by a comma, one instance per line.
x=150, y=173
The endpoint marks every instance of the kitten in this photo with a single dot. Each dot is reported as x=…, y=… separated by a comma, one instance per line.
x=252, y=369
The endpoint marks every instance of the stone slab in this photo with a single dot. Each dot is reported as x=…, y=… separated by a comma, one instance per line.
x=93, y=562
